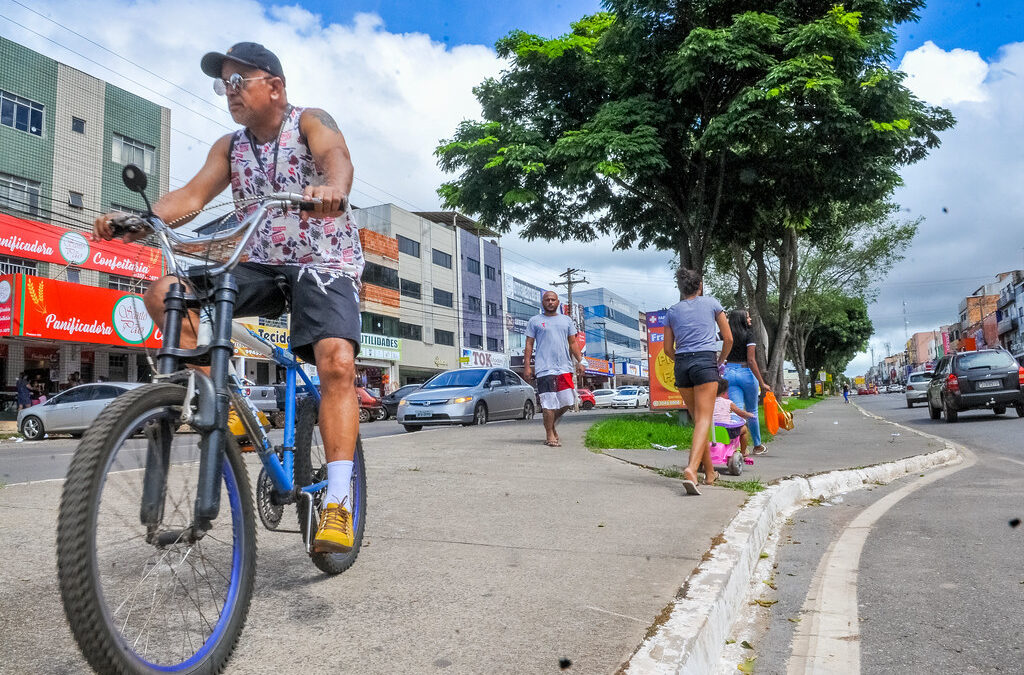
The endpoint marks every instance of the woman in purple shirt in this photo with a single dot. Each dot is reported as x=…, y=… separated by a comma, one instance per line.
x=691, y=341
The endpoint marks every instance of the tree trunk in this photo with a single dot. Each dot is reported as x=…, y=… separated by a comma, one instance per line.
x=787, y=291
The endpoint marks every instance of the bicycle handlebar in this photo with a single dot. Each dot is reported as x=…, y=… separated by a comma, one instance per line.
x=280, y=200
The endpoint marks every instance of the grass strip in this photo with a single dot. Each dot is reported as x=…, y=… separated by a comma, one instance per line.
x=639, y=432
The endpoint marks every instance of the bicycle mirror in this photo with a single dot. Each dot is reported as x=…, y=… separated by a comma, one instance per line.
x=134, y=178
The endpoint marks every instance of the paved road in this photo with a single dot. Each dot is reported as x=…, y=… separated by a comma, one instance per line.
x=940, y=581
x=49, y=458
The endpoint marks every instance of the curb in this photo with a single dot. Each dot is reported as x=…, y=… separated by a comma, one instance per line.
x=691, y=639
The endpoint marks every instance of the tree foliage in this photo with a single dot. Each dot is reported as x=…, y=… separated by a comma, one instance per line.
x=687, y=126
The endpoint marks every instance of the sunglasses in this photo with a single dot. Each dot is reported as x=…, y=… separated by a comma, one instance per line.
x=235, y=83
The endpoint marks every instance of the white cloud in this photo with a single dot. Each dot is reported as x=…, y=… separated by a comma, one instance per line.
x=945, y=77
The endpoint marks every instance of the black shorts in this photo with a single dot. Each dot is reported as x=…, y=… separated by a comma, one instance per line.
x=696, y=368
x=734, y=432
x=331, y=312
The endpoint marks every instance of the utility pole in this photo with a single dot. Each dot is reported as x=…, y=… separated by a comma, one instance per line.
x=570, y=280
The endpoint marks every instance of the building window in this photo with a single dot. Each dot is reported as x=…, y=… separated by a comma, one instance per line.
x=9, y=265
x=476, y=341
x=279, y=322
x=410, y=289
x=21, y=114
x=473, y=265
x=443, y=298
x=73, y=274
x=127, y=209
x=380, y=324
x=492, y=345
x=127, y=284
x=117, y=367
x=75, y=199
x=378, y=275
x=474, y=304
x=444, y=337
x=129, y=151
x=490, y=273
x=492, y=308
x=443, y=259
x=78, y=125
x=408, y=246
x=410, y=331
x=19, y=194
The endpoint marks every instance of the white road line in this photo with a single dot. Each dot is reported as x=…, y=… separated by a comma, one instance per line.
x=828, y=639
x=624, y=616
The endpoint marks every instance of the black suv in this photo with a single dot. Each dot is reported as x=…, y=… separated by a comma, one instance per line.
x=988, y=378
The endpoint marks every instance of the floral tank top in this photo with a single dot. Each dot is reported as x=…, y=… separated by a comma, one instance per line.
x=324, y=246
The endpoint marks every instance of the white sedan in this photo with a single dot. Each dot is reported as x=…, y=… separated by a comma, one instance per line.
x=603, y=397
x=630, y=397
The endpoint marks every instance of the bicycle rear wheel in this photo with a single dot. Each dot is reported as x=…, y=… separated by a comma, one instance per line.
x=139, y=607
x=311, y=467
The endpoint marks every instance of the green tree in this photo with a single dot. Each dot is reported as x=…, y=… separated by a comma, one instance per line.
x=843, y=330
x=693, y=126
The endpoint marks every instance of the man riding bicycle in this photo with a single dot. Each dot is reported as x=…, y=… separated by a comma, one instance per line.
x=283, y=148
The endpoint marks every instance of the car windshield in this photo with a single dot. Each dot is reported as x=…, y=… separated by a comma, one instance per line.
x=919, y=377
x=456, y=378
x=604, y=392
x=973, y=360
x=627, y=392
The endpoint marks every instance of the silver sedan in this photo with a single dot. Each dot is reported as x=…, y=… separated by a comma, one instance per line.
x=71, y=411
x=467, y=396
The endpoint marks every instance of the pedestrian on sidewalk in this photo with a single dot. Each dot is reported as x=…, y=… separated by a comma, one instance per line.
x=554, y=336
x=745, y=381
x=691, y=336
x=24, y=393
x=846, y=392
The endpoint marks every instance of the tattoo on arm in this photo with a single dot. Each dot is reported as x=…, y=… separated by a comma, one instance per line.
x=325, y=119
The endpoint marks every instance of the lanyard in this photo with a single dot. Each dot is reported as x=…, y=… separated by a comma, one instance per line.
x=277, y=148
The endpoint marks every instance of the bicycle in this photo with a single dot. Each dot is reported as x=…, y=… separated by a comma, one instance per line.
x=151, y=579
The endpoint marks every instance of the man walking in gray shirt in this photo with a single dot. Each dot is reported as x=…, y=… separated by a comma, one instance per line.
x=554, y=336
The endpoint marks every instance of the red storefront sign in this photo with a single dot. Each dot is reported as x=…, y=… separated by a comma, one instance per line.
x=664, y=395
x=59, y=310
x=48, y=243
x=6, y=305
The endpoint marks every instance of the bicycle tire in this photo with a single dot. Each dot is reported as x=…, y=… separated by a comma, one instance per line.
x=90, y=563
x=311, y=467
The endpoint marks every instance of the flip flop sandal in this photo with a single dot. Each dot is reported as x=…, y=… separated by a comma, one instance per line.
x=690, y=487
x=710, y=481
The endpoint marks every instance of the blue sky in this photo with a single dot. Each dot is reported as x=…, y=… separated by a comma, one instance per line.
x=978, y=25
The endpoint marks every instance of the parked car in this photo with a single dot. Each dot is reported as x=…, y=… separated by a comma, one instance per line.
x=390, y=402
x=71, y=411
x=603, y=397
x=587, y=400
x=630, y=397
x=467, y=396
x=917, y=388
x=370, y=407
x=987, y=378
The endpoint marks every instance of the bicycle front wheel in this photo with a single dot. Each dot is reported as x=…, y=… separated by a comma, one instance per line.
x=310, y=468
x=141, y=607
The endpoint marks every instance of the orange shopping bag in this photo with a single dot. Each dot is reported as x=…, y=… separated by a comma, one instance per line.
x=771, y=413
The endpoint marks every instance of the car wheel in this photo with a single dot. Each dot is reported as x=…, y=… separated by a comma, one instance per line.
x=949, y=411
x=480, y=414
x=1020, y=409
x=32, y=428
x=364, y=415
x=934, y=413
x=587, y=405
x=412, y=427
x=528, y=410
x=910, y=404
x=380, y=414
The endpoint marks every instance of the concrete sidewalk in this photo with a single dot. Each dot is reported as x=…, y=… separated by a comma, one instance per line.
x=485, y=551
x=827, y=436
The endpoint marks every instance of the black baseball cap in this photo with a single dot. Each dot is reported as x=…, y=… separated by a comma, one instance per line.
x=246, y=53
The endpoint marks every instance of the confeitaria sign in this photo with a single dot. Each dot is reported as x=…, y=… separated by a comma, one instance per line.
x=373, y=346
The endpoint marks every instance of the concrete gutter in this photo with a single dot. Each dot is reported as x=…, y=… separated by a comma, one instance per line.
x=691, y=639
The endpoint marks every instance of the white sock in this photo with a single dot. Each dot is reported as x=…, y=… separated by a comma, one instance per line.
x=339, y=475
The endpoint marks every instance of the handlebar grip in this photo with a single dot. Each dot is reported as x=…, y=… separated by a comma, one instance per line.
x=307, y=205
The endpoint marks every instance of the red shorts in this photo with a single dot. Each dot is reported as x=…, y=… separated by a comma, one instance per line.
x=556, y=391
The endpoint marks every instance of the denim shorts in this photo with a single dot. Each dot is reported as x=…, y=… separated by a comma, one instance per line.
x=696, y=368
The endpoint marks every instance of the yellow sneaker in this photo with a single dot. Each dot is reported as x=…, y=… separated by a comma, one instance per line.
x=335, y=532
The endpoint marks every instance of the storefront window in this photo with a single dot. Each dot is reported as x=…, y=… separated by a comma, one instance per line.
x=118, y=367
x=9, y=265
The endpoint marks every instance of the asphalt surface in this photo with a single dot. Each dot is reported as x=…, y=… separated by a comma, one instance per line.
x=941, y=580
x=49, y=458
x=485, y=552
